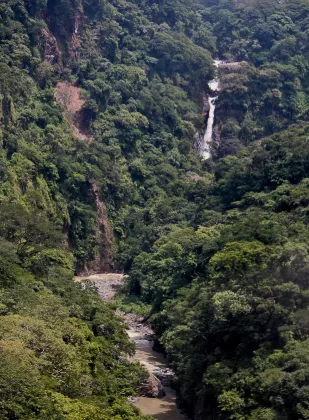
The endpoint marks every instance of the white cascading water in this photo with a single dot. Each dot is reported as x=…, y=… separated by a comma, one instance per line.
x=208, y=133
x=207, y=139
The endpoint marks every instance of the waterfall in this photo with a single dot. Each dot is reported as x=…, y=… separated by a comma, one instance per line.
x=205, y=152
x=214, y=87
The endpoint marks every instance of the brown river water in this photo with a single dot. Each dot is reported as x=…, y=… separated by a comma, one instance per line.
x=159, y=408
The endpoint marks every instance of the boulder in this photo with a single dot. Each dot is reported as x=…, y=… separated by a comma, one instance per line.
x=152, y=388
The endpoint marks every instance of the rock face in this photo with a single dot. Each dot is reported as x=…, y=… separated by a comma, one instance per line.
x=104, y=254
x=50, y=48
x=206, y=106
x=64, y=29
x=74, y=49
x=69, y=98
x=153, y=388
x=165, y=375
x=229, y=66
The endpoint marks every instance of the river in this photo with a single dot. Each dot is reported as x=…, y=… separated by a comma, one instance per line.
x=160, y=408
x=164, y=408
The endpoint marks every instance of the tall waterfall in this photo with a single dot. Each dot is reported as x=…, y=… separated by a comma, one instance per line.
x=214, y=87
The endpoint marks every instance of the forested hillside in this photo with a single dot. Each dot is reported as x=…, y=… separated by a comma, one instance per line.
x=96, y=121
x=79, y=171
x=228, y=288
x=100, y=103
x=269, y=90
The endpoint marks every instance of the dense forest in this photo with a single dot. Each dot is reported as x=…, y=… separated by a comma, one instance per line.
x=100, y=105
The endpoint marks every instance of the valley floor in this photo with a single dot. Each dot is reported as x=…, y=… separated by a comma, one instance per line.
x=164, y=408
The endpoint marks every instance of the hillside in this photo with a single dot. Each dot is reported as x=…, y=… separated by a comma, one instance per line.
x=100, y=105
x=95, y=120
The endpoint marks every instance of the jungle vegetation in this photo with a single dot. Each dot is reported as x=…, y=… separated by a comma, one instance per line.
x=217, y=250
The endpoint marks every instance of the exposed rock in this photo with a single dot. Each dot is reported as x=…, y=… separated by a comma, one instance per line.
x=192, y=176
x=206, y=106
x=68, y=97
x=153, y=388
x=216, y=137
x=132, y=400
x=107, y=284
x=74, y=50
x=165, y=375
x=228, y=66
x=143, y=330
x=104, y=254
x=50, y=49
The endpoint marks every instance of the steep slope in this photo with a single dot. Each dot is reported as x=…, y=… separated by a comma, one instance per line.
x=100, y=101
x=80, y=178
x=135, y=108
x=230, y=299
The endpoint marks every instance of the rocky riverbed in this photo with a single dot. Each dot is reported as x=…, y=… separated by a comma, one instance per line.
x=157, y=398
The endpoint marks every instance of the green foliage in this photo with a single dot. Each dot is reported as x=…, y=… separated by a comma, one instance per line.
x=217, y=253
x=230, y=298
x=64, y=354
x=268, y=90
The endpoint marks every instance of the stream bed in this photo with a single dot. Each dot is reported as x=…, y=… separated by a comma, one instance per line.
x=160, y=408
x=164, y=408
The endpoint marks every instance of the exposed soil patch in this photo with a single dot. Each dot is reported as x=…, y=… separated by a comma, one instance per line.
x=68, y=97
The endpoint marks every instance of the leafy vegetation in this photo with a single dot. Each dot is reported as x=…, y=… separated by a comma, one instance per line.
x=230, y=298
x=217, y=252
x=64, y=353
x=269, y=91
